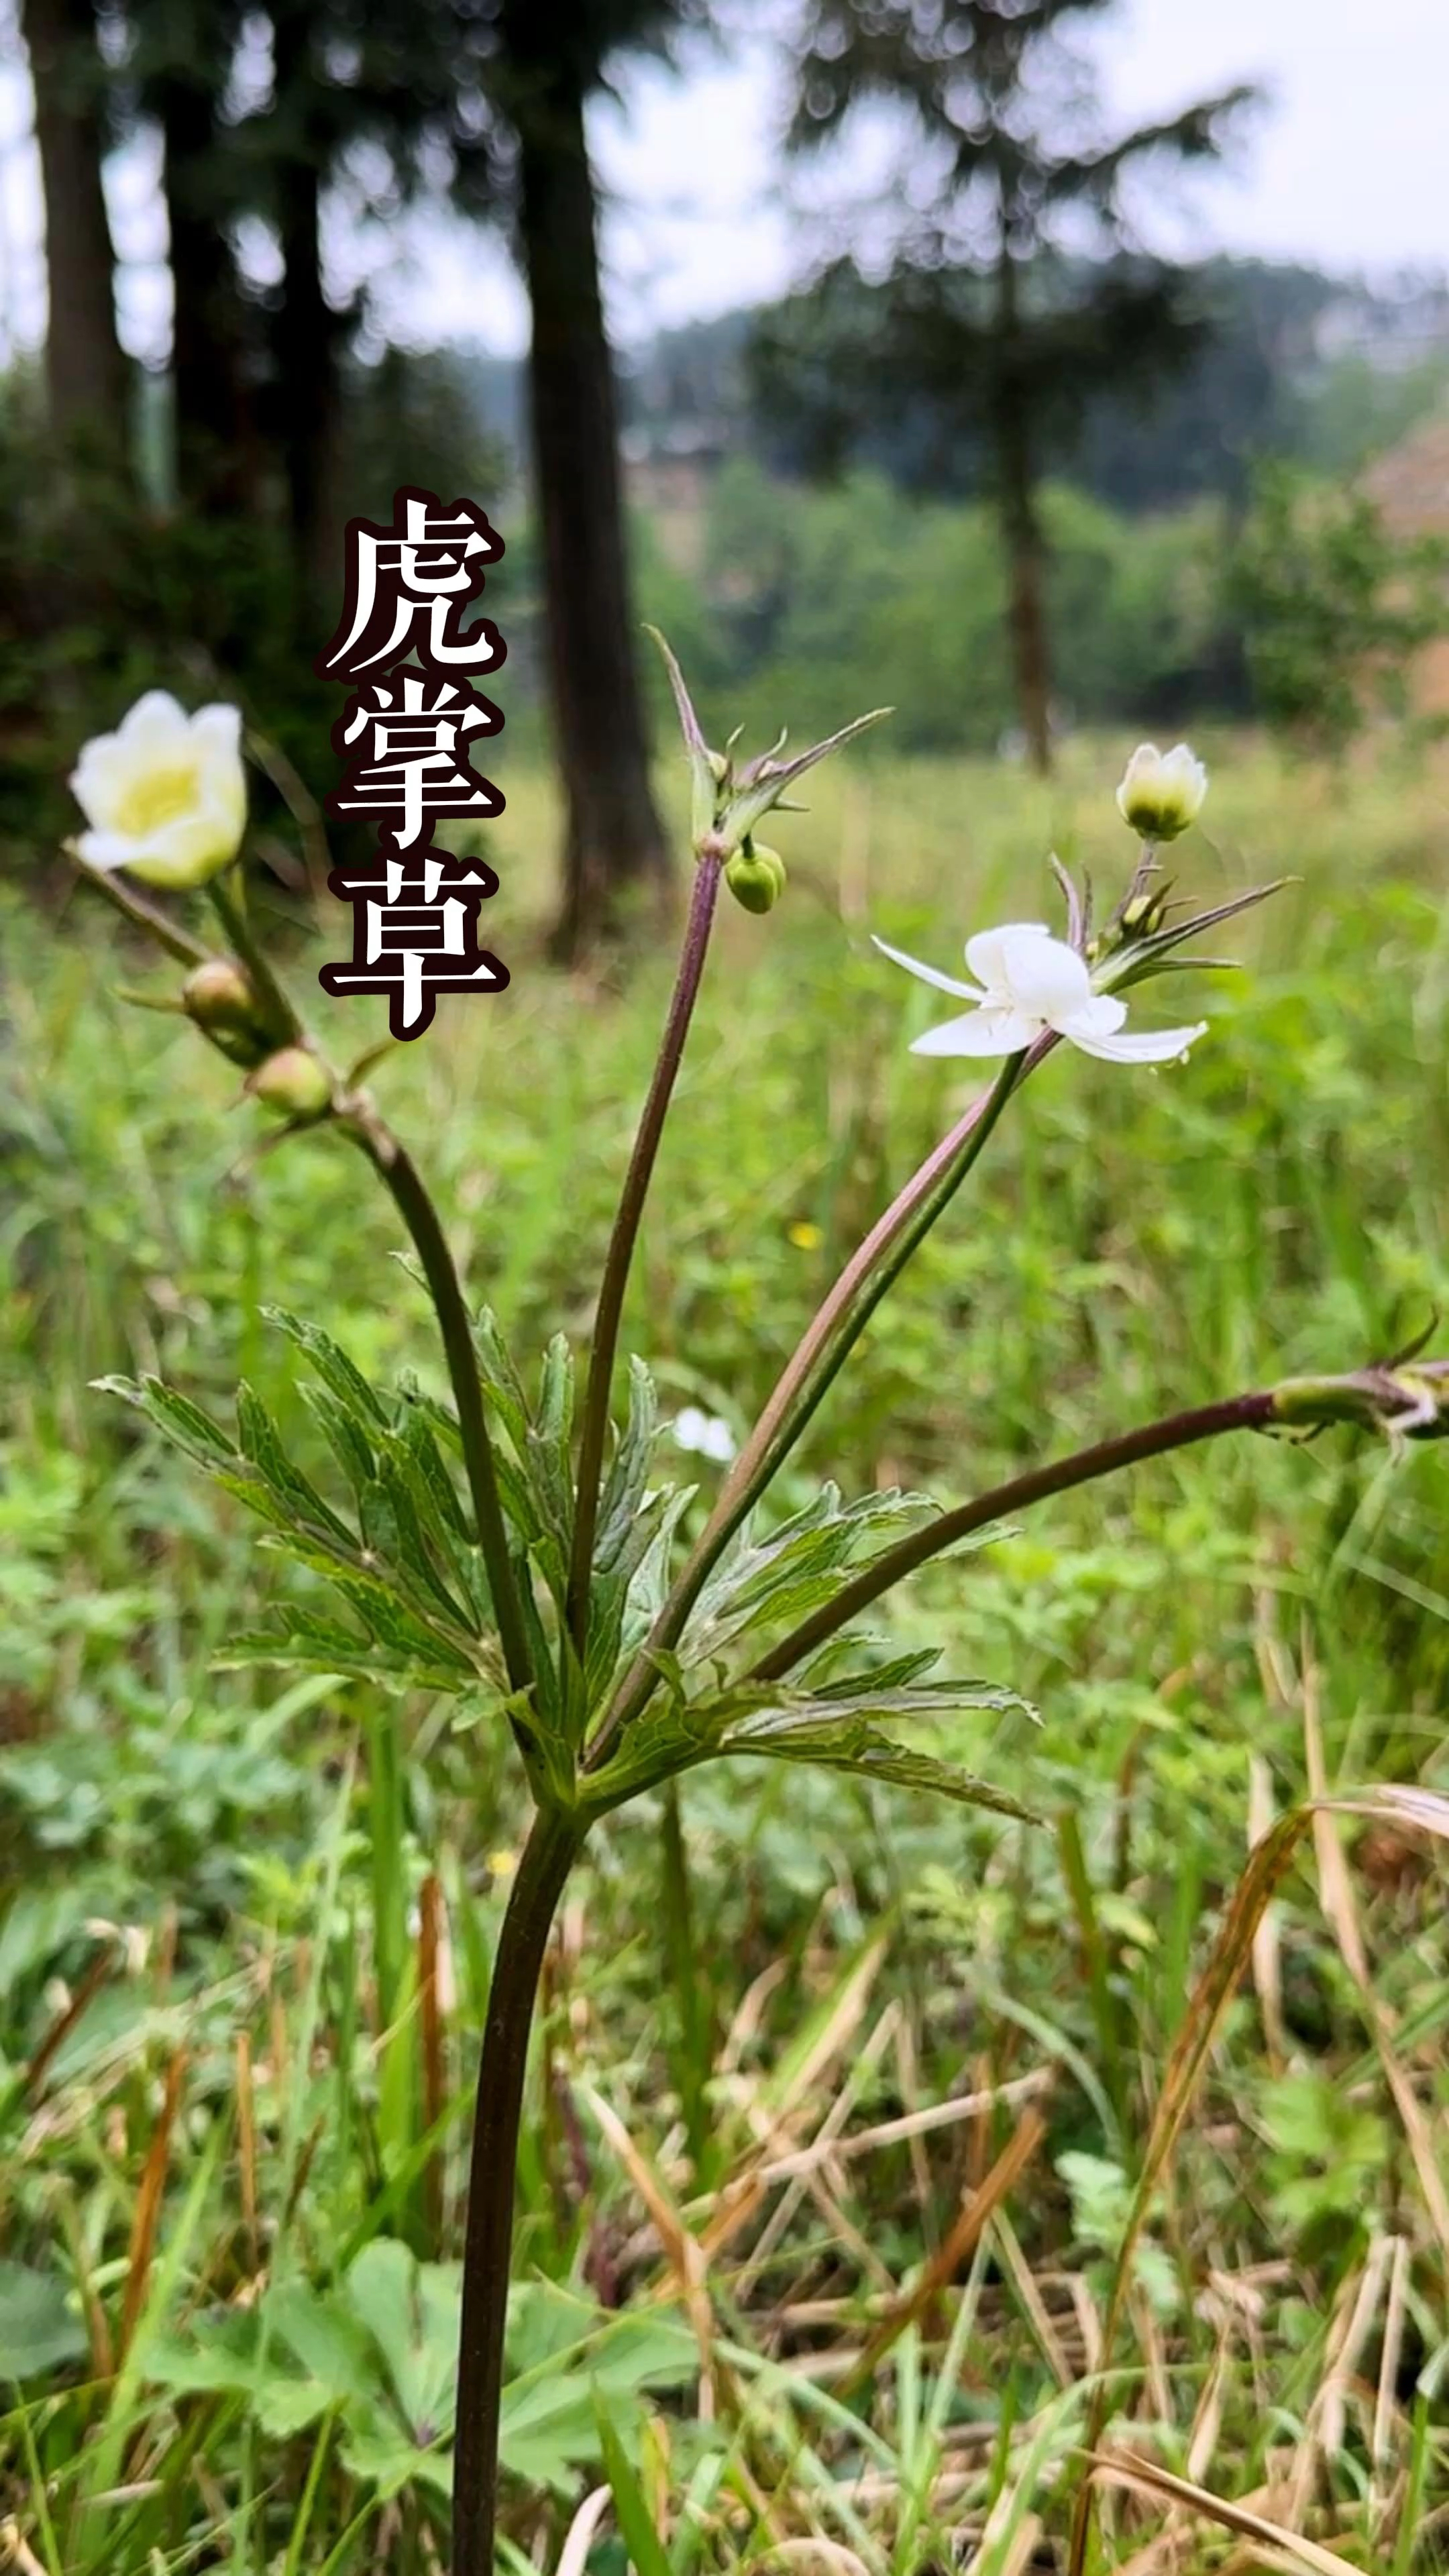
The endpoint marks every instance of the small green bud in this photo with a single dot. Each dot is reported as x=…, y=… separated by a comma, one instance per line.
x=1142, y=914
x=222, y=999
x=756, y=877
x=293, y=1082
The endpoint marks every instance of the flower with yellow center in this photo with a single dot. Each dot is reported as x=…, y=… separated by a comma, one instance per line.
x=165, y=796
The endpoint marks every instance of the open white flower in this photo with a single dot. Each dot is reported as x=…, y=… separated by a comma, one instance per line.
x=165, y=796
x=704, y=1433
x=1026, y=983
x=1161, y=791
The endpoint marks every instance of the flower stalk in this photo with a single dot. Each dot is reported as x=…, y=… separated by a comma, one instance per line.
x=812, y=1368
x=1404, y=1403
x=594, y=1429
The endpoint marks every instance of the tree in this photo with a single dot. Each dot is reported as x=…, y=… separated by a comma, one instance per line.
x=1336, y=610
x=85, y=367
x=179, y=67
x=550, y=61
x=983, y=312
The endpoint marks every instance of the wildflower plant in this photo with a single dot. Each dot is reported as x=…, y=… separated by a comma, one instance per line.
x=521, y=1548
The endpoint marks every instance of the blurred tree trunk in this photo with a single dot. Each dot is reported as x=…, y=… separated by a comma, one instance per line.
x=307, y=330
x=85, y=367
x=216, y=466
x=1021, y=528
x=613, y=839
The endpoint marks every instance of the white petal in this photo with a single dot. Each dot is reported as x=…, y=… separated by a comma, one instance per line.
x=985, y=957
x=155, y=718
x=1044, y=977
x=1101, y=1017
x=219, y=725
x=995, y=1030
x=104, y=849
x=186, y=852
x=927, y=974
x=1150, y=1046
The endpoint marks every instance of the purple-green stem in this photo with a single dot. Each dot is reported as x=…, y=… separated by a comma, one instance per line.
x=594, y=1430
x=813, y=1367
x=1249, y=1412
x=548, y=1855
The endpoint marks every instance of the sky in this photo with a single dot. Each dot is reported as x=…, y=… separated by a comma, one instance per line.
x=1342, y=166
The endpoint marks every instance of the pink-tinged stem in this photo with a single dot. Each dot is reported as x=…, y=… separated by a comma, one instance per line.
x=1150, y=1440
x=595, y=1428
x=816, y=1361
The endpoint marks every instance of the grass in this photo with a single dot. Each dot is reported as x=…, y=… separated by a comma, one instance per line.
x=840, y=2099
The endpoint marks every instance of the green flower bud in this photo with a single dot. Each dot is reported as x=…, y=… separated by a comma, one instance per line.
x=293, y=1082
x=1161, y=792
x=756, y=877
x=222, y=999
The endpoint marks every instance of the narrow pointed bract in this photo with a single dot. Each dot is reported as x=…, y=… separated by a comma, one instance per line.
x=728, y=803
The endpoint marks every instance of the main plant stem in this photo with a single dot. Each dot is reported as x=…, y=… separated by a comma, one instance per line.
x=1150, y=1440
x=595, y=1427
x=548, y=1856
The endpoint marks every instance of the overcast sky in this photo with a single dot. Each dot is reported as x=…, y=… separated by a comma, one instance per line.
x=1344, y=166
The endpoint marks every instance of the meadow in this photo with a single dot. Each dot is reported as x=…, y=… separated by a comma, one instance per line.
x=790, y=2024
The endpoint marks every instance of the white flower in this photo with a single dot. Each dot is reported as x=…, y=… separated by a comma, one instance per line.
x=705, y=1434
x=166, y=796
x=1027, y=983
x=1161, y=792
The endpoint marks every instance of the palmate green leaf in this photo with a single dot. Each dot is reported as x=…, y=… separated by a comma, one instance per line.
x=392, y=1606
x=340, y=1375
x=308, y=1644
x=549, y=1450
x=841, y=1730
x=344, y=1436
x=501, y=1382
x=624, y=1599
x=185, y=1424
x=822, y=1674
x=261, y=1444
x=851, y=1739
x=536, y=1480
x=628, y=1477
x=649, y=1582
x=394, y=1623
x=418, y=1456
x=394, y=1531
x=795, y=1570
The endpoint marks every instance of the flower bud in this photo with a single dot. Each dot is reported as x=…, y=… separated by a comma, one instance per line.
x=756, y=877
x=1161, y=792
x=222, y=999
x=293, y=1082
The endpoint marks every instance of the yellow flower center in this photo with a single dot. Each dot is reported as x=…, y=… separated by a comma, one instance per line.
x=162, y=796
